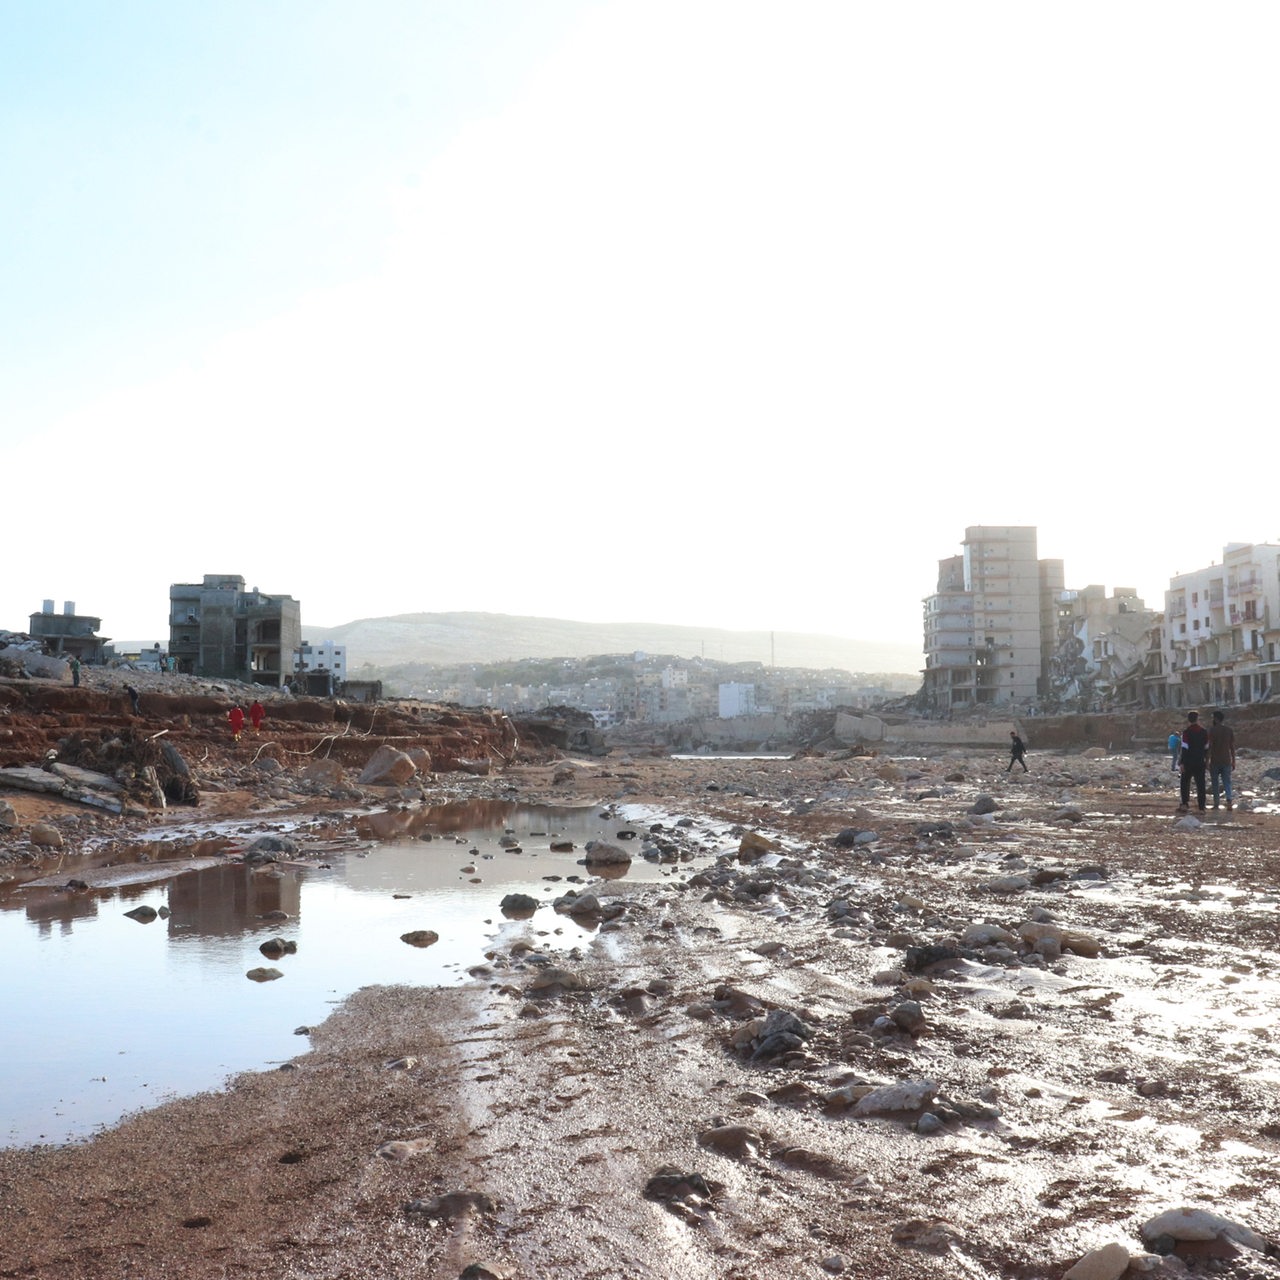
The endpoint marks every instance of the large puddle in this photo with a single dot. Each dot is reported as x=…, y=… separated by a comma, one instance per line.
x=104, y=1015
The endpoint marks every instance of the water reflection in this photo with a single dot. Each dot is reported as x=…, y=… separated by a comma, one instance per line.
x=112, y=1015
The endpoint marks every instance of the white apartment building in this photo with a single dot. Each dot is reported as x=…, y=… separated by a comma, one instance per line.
x=737, y=699
x=1221, y=640
x=990, y=629
x=326, y=656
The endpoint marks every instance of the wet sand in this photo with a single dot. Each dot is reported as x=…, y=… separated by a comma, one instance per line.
x=513, y=1126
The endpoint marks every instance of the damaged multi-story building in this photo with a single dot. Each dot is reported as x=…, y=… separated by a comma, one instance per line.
x=218, y=628
x=1103, y=642
x=1221, y=641
x=1217, y=641
x=990, y=628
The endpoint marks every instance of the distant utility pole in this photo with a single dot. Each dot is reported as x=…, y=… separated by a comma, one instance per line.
x=772, y=661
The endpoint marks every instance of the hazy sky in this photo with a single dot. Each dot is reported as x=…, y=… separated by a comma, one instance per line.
x=725, y=314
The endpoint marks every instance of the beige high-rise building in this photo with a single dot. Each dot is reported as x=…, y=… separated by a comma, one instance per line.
x=991, y=626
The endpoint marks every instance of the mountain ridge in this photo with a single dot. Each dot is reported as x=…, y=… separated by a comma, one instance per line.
x=447, y=639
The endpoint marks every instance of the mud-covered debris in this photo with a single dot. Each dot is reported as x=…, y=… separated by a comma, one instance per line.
x=143, y=915
x=930, y=1235
x=274, y=948
x=454, y=1206
x=688, y=1195
x=263, y=975
x=734, y=1140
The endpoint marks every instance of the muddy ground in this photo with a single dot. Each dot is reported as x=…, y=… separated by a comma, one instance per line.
x=699, y=1092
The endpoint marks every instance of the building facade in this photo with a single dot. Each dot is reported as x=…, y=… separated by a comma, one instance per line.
x=325, y=656
x=990, y=627
x=1221, y=640
x=217, y=628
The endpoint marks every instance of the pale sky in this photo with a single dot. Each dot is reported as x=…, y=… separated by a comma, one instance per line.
x=720, y=314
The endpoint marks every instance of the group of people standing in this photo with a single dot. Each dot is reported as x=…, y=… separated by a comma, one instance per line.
x=1196, y=750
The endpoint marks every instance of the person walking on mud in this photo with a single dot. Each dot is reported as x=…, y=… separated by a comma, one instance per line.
x=75, y=673
x=1017, y=752
x=1175, y=748
x=235, y=718
x=1222, y=757
x=256, y=712
x=133, y=699
x=1194, y=757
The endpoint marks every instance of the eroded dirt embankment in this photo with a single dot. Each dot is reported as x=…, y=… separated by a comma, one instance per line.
x=35, y=716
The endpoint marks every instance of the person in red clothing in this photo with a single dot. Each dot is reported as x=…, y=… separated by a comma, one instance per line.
x=235, y=718
x=256, y=712
x=1194, y=759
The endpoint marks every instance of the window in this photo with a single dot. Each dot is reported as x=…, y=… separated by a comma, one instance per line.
x=1196, y=624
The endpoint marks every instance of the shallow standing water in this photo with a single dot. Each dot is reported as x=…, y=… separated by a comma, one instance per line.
x=104, y=1015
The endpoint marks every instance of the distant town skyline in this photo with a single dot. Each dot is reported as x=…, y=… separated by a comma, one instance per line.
x=706, y=313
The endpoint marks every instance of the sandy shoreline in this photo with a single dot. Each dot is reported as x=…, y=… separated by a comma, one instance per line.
x=1077, y=1095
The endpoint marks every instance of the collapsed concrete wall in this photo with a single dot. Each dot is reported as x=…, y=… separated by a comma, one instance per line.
x=852, y=729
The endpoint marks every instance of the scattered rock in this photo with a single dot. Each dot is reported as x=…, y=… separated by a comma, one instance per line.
x=143, y=915
x=1108, y=1263
x=44, y=835
x=420, y=937
x=263, y=975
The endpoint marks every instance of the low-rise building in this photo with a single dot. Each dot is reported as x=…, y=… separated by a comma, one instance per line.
x=68, y=634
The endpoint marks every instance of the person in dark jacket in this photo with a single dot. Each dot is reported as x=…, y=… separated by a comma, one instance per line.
x=1222, y=757
x=1194, y=758
x=1017, y=752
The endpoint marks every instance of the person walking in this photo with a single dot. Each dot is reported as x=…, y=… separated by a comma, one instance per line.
x=1194, y=757
x=1222, y=757
x=133, y=699
x=256, y=712
x=75, y=673
x=235, y=718
x=1017, y=752
x=1175, y=746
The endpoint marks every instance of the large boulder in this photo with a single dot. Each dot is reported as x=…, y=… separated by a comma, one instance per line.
x=327, y=772
x=8, y=814
x=387, y=767
x=600, y=854
x=45, y=835
x=420, y=757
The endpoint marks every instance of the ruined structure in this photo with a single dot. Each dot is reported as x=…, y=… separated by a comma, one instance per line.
x=218, y=629
x=1103, y=643
x=68, y=634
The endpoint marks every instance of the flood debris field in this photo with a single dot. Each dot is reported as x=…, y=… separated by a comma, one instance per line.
x=915, y=1018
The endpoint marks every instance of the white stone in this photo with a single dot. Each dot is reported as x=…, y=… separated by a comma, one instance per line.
x=906, y=1095
x=1200, y=1224
x=1108, y=1263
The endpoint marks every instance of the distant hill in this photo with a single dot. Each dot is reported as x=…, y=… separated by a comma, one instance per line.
x=450, y=638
